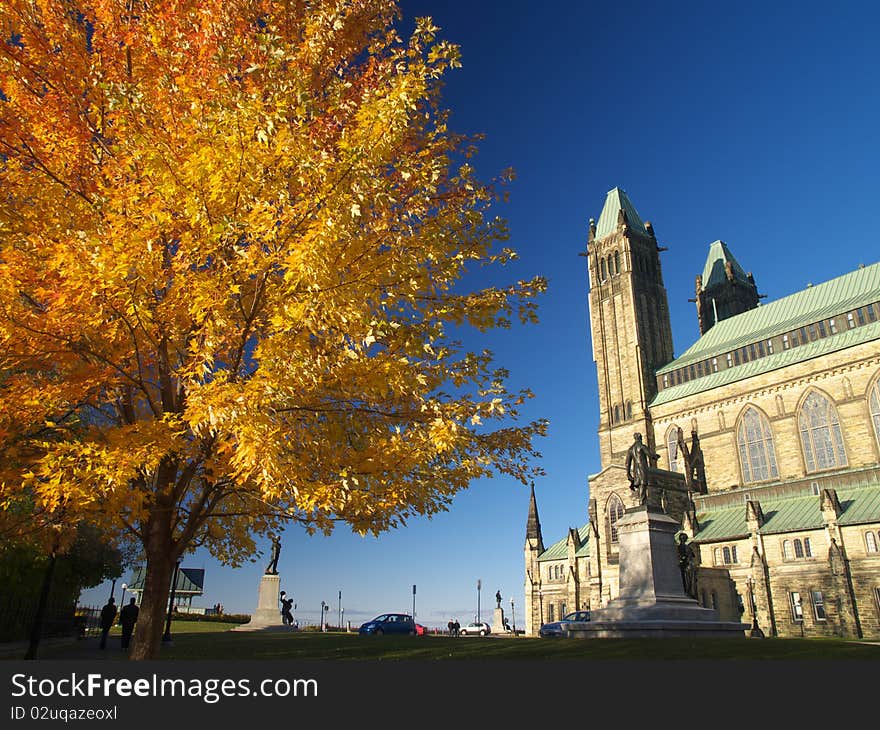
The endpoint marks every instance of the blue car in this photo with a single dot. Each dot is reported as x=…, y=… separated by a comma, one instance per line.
x=557, y=628
x=389, y=623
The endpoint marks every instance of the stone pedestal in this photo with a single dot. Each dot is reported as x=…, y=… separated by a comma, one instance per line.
x=267, y=616
x=498, y=621
x=652, y=601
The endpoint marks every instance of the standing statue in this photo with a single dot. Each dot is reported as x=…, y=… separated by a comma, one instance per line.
x=638, y=458
x=498, y=599
x=272, y=567
x=687, y=564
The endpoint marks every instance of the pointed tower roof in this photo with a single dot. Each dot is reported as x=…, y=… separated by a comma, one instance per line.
x=533, y=524
x=714, y=272
x=615, y=202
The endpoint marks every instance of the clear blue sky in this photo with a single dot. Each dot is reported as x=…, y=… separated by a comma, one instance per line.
x=753, y=123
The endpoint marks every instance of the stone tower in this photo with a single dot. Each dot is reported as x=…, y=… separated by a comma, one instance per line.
x=724, y=289
x=629, y=322
x=533, y=548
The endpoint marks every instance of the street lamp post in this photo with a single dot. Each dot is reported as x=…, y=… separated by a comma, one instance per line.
x=324, y=607
x=512, y=617
x=541, y=604
x=166, y=639
x=113, y=588
x=479, y=585
x=756, y=632
x=122, y=597
x=339, y=607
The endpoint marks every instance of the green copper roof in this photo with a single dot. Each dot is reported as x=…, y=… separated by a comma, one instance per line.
x=859, y=505
x=559, y=550
x=840, y=341
x=615, y=201
x=189, y=580
x=843, y=294
x=714, y=270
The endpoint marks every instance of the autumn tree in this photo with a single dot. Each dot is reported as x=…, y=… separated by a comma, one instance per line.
x=234, y=240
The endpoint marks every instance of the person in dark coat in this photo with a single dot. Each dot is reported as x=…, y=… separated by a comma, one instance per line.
x=108, y=616
x=128, y=617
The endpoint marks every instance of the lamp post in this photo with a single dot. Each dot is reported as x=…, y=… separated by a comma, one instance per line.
x=166, y=639
x=113, y=588
x=339, y=609
x=756, y=632
x=512, y=617
x=479, y=585
x=122, y=597
x=324, y=607
x=541, y=604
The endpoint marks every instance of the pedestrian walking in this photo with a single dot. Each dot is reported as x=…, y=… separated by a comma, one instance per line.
x=108, y=616
x=128, y=617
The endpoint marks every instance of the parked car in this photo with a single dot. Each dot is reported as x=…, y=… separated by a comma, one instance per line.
x=557, y=628
x=475, y=628
x=389, y=623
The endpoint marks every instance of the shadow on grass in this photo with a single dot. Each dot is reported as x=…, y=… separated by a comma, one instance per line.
x=218, y=642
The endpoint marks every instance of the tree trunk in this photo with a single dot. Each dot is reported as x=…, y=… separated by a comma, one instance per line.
x=40, y=616
x=160, y=561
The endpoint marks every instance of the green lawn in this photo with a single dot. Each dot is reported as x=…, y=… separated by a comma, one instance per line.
x=193, y=640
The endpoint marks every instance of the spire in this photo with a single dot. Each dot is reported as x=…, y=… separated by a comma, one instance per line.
x=533, y=525
x=724, y=289
x=618, y=209
x=721, y=266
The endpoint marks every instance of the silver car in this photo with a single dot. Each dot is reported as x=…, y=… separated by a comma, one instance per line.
x=476, y=628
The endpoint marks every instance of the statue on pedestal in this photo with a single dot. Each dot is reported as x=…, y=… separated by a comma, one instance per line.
x=638, y=458
x=687, y=563
x=498, y=599
x=272, y=567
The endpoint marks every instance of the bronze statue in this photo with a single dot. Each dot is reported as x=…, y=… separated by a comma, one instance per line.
x=637, y=460
x=498, y=598
x=687, y=563
x=272, y=567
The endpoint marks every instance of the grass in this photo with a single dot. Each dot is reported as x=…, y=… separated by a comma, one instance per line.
x=199, y=641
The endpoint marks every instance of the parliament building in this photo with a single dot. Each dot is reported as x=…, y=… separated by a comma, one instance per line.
x=765, y=435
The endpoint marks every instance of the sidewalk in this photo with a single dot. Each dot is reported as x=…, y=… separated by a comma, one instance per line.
x=68, y=647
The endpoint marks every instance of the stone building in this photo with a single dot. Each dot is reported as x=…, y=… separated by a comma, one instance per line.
x=765, y=436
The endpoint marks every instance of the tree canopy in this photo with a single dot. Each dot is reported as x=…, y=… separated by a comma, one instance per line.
x=234, y=245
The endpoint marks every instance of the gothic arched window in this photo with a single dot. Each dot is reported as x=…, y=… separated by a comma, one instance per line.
x=616, y=417
x=874, y=405
x=615, y=512
x=617, y=262
x=821, y=438
x=629, y=410
x=672, y=446
x=603, y=270
x=787, y=553
x=756, y=452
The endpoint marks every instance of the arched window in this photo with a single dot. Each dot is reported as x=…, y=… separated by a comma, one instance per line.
x=808, y=549
x=616, y=417
x=726, y=555
x=550, y=612
x=714, y=599
x=672, y=446
x=755, y=441
x=798, y=549
x=610, y=266
x=629, y=410
x=615, y=512
x=870, y=542
x=703, y=599
x=549, y=572
x=787, y=552
x=617, y=262
x=874, y=401
x=717, y=555
x=821, y=438
x=604, y=272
